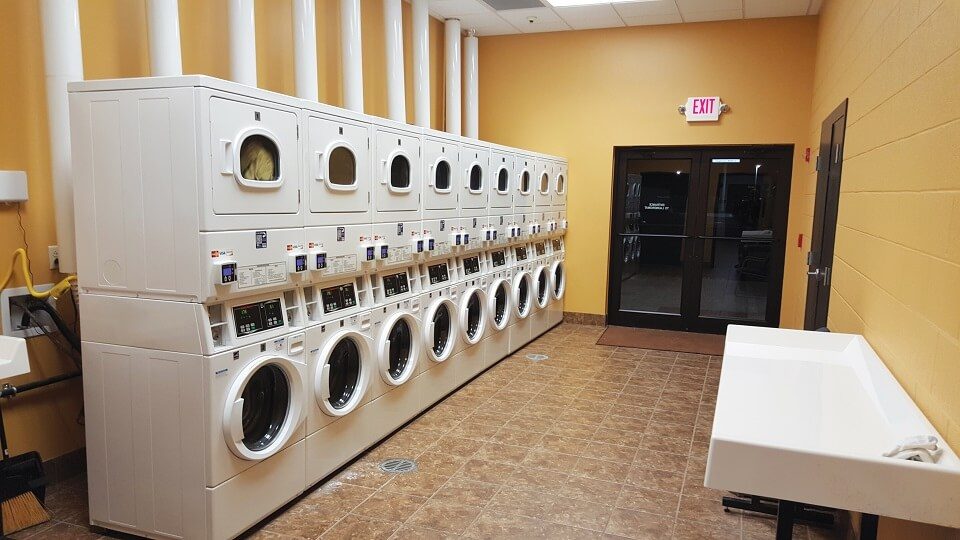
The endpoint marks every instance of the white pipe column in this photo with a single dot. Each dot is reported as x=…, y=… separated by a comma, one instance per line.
x=352, y=55
x=471, y=86
x=164, y=30
x=393, y=37
x=421, y=63
x=63, y=63
x=243, y=42
x=452, y=72
x=305, y=49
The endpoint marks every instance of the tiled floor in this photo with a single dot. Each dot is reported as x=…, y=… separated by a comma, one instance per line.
x=595, y=442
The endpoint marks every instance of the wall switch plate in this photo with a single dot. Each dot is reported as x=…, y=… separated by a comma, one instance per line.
x=53, y=252
x=11, y=315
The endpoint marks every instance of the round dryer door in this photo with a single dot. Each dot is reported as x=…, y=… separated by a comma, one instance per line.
x=522, y=294
x=440, y=329
x=542, y=281
x=263, y=408
x=398, y=348
x=342, y=374
x=498, y=304
x=558, y=280
x=472, y=321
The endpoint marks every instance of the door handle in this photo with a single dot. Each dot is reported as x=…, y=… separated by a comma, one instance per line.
x=824, y=275
x=815, y=273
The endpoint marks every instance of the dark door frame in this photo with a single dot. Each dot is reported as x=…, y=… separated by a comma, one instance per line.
x=693, y=240
x=826, y=208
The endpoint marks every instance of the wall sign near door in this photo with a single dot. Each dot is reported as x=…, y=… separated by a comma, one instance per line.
x=703, y=109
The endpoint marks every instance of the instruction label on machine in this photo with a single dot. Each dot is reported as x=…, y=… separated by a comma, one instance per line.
x=341, y=264
x=261, y=274
x=400, y=254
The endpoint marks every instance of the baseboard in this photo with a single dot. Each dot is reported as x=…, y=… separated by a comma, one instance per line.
x=589, y=319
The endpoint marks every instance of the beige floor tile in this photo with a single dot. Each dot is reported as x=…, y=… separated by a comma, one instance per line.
x=353, y=527
x=487, y=471
x=639, y=525
x=444, y=516
x=522, y=502
x=409, y=532
x=389, y=506
x=648, y=500
x=707, y=511
x=588, y=489
x=468, y=492
x=578, y=513
x=504, y=453
x=654, y=479
x=422, y=484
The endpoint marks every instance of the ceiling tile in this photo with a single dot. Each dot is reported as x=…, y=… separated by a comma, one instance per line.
x=689, y=6
x=545, y=20
x=486, y=24
x=649, y=20
x=585, y=17
x=758, y=9
x=446, y=9
x=649, y=7
x=703, y=16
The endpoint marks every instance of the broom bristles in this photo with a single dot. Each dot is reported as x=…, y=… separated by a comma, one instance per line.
x=21, y=512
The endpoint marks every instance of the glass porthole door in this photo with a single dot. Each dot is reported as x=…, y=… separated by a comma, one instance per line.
x=398, y=348
x=343, y=374
x=522, y=294
x=542, y=281
x=498, y=306
x=440, y=328
x=557, y=280
x=472, y=320
x=339, y=166
x=263, y=408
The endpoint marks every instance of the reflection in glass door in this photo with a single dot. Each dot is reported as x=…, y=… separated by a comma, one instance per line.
x=698, y=236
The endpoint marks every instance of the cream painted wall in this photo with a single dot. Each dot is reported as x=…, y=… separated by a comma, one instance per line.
x=115, y=45
x=897, y=263
x=579, y=94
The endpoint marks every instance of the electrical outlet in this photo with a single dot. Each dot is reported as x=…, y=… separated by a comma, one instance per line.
x=53, y=252
x=11, y=315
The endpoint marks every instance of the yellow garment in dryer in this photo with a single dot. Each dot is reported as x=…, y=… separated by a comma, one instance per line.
x=258, y=159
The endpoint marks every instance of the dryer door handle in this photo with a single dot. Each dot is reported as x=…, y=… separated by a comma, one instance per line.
x=226, y=156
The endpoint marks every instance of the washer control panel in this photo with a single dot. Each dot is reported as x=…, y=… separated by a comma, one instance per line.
x=498, y=258
x=438, y=273
x=258, y=316
x=338, y=297
x=395, y=284
x=540, y=249
x=471, y=265
x=521, y=252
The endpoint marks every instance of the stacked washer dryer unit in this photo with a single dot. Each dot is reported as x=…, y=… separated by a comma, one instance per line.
x=270, y=286
x=556, y=229
x=191, y=258
x=538, y=228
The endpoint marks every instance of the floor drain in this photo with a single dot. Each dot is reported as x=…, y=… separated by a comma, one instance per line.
x=537, y=357
x=397, y=465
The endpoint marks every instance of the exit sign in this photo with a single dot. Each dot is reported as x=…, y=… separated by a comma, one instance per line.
x=703, y=109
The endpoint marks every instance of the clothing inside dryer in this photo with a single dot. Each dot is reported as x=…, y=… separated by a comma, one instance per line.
x=441, y=329
x=344, y=372
x=259, y=159
x=500, y=303
x=473, y=315
x=401, y=339
x=266, y=398
x=343, y=167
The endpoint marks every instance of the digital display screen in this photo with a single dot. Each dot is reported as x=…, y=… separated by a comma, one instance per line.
x=521, y=253
x=557, y=246
x=466, y=238
x=419, y=246
x=384, y=252
x=430, y=245
x=471, y=265
x=337, y=298
x=257, y=317
x=498, y=258
x=300, y=262
x=540, y=248
x=438, y=273
x=395, y=284
x=457, y=238
x=371, y=253
x=489, y=234
x=321, y=261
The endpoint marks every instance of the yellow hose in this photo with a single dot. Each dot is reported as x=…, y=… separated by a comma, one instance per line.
x=54, y=291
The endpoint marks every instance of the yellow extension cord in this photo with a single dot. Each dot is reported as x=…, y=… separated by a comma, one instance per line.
x=55, y=291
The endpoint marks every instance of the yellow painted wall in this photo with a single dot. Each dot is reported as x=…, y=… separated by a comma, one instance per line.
x=115, y=45
x=579, y=94
x=897, y=261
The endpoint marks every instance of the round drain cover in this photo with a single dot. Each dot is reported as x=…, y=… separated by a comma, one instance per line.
x=398, y=465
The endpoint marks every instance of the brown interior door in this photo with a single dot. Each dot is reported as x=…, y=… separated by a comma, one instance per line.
x=827, y=202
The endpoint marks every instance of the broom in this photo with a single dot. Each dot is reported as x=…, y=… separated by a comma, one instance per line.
x=21, y=482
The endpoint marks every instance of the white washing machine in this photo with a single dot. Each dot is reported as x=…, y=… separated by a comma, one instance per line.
x=522, y=296
x=397, y=173
x=472, y=322
x=539, y=318
x=496, y=340
x=179, y=441
x=202, y=158
x=440, y=326
x=558, y=281
x=341, y=363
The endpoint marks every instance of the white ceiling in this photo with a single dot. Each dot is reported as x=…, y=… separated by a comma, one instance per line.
x=478, y=15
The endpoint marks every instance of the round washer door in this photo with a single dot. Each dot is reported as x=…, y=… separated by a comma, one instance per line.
x=558, y=280
x=343, y=373
x=498, y=304
x=263, y=408
x=522, y=294
x=440, y=329
x=472, y=319
x=398, y=348
x=541, y=280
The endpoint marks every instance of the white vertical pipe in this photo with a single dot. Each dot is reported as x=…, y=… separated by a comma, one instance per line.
x=164, y=30
x=421, y=63
x=393, y=37
x=352, y=55
x=243, y=42
x=63, y=63
x=471, y=87
x=305, y=49
x=452, y=74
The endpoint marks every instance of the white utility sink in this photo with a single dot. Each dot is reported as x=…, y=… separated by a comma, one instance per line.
x=806, y=417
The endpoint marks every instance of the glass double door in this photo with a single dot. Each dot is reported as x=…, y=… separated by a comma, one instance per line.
x=698, y=236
